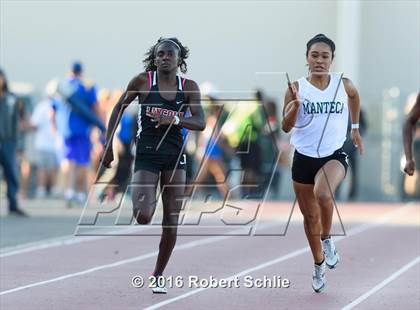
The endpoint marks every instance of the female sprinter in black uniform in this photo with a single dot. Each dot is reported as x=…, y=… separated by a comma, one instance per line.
x=316, y=110
x=164, y=98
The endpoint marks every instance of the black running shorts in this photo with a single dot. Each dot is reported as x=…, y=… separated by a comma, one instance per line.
x=159, y=162
x=304, y=168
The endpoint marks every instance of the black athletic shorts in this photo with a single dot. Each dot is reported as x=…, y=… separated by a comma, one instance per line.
x=304, y=168
x=156, y=162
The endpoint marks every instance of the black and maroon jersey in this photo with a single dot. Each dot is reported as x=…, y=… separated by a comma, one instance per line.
x=165, y=139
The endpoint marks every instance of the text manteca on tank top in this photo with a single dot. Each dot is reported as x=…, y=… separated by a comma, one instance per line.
x=321, y=125
x=164, y=139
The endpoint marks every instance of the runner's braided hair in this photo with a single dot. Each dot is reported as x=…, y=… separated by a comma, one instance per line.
x=149, y=61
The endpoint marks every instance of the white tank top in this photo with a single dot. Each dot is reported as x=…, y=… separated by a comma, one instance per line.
x=321, y=125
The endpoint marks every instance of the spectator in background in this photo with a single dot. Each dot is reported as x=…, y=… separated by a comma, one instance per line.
x=104, y=108
x=211, y=146
x=9, y=123
x=80, y=101
x=46, y=142
x=243, y=129
x=207, y=149
x=353, y=158
x=126, y=134
x=270, y=145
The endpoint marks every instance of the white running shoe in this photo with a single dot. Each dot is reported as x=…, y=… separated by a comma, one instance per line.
x=159, y=285
x=318, y=278
x=331, y=256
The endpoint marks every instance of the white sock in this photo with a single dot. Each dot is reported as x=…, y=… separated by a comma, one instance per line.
x=69, y=194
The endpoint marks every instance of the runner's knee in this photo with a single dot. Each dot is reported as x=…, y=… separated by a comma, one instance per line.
x=311, y=219
x=323, y=198
x=142, y=216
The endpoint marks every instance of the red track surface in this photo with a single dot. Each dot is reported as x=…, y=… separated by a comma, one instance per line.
x=96, y=273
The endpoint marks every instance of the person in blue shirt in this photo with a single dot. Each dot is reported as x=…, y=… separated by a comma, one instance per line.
x=76, y=127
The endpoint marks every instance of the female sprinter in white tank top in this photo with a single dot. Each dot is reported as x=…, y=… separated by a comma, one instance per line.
x=316, y=110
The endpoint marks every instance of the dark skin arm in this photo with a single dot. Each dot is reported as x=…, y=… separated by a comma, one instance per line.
x=136, y=87
x=408, y=130
x=193, y=122
x=290, y=108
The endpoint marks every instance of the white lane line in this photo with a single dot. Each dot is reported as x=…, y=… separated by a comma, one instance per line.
x=33, y=243
x=184, y=246
x=388, y=216
x=355, y=231
x=80, y=273
x=44, y=244
x=382, y=284
x=67, y=240
x=240, y=274
x=62, y=241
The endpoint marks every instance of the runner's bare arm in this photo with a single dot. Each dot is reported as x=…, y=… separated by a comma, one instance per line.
x=408, y=129
x=290, y=108
x=126, y=98
x=354, y=109
x=196, y=120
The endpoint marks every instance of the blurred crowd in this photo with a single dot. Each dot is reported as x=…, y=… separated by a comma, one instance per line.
x=54, y=146
x=52, y=149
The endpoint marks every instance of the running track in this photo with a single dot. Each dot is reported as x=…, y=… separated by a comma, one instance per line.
x=380, y=267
